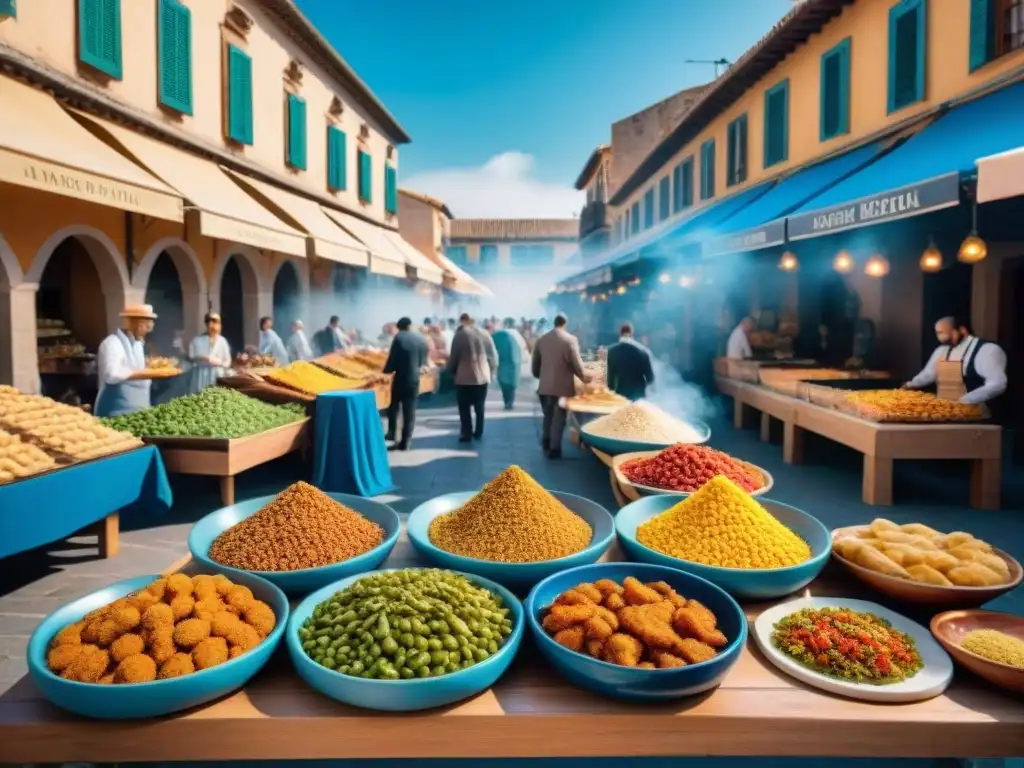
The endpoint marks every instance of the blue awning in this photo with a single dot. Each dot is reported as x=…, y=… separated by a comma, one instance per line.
x=921, y=175
x=762, y=224
x=707, y=219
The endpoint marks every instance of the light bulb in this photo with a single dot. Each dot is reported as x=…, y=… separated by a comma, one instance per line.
x=621, y=290
x=685, y=281
x=664, y=278
x=973, y=249
x=788, y=262
x=843, y=263
x=931, y=259
x=876, y=266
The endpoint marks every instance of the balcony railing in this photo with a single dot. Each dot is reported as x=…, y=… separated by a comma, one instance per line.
x=594, y=216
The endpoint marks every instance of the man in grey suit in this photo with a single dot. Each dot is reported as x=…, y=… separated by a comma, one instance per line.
x=556, y=361
x=472, y=363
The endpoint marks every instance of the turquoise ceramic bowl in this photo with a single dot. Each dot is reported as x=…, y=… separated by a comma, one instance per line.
x=630, y=683
x=160, y=697
x=305, y=580
x=742, y=583
x=403, y=695
x=614, y=447
x=517, y=576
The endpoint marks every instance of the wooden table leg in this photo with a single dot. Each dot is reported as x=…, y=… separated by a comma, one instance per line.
x=766, y=427
x=986, y=483
x=737, y=413
x=227, y=490
x=877, y=480
x=620, y=499
x=107, y=533
x=792, y=443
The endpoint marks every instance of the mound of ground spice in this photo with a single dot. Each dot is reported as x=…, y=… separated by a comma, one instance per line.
x=686, y=468
x=302, y=527
x=512, y=520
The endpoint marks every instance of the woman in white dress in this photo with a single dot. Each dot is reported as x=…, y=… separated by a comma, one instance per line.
x=209, y=354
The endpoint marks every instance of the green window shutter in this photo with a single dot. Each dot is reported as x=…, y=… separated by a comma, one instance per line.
x=9, y=8
x=296, y=132
x=649, y=208
x=365, y=177
x=776, y=124
x=677, y=188
x=239, y=95
x=906, y=53
x=983, y=33
x=664, y=198
x=835, y=91
x=390, y=189
x=174, y=55
x=707, y=170
x=635, y=218
x=337, y=165
x=99, y=35
x=686, y=176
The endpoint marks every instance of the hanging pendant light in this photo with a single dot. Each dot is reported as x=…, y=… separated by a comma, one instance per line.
x=664, y=278
x=973, y=249
x=876, y=266
x=685, y=281
x=621, y=290
x=788, y=262
x=843, y=262
x=931, y=259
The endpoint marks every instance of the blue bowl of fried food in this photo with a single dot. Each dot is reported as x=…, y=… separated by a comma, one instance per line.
x=113, y=695
x=300, y=581
x=387, y=690
x=741, y=583
x=511, y=529
x=636, y=632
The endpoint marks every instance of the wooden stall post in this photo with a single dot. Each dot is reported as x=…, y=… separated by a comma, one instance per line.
x=986, y=482
x=737, y=411
x=792, y=443
x=107, y=533
x=766, y=427
x=877, y=485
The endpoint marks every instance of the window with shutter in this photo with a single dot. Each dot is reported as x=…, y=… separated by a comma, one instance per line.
x=337, y=166
x=9, y=8
x=776, y=124
x=736, y=164
x=906, y=53
x=174, y=55
x=707, y=169
x=649, y=208
x=686, y=180
x=664, y=195
x=635, y=218
x=296, y=132
x=99, y=35
x=365, y=177
x=239, y=96
x=390, y=189
x=835, y=91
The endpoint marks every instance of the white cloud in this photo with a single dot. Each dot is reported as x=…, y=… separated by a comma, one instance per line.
x=502, y=188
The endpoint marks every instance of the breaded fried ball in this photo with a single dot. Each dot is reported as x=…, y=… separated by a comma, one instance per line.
x=204, y=587
x=158, y=588
x=182, y=606
x=222, y=583
x=106, y=679
x=190, y=632
x=235, y=651
x=137, y=668
x=210, y=652
x=179, y=585
x=571, y=638
x=99, y=613
x=243, y=636
x=90, y=634
x=70, y=635
x=261, y=617
x=109, y=630
x=179, y=664
x=126, y=645
x=127, y=616
x=161, y=648
x=239, y=598
x=223, y=622
x=90, y=665
x=143, y=599
x=60, y=657
x=158, y=616
x=208, y=608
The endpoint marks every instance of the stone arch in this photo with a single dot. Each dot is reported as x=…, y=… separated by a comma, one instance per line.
x=11, y=274
x=106, y=257
x=301, y=267
x=194, y=290
x=255, y=291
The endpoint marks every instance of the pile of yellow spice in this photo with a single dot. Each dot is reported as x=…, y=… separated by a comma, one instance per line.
x=721, y=525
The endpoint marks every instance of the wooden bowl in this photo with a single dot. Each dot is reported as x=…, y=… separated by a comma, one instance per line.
x=928, y=594
x=950, y=628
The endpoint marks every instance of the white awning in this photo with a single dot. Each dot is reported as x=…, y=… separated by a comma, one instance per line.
x=463, y=281
x=426, y=270
x=384, y=259
x=1001, y=176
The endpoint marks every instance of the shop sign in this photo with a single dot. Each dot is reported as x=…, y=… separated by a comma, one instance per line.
x=223, y=228
x=765, y=236
x=912, y=200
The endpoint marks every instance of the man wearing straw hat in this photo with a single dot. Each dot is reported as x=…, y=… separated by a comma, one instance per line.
x=124, y=381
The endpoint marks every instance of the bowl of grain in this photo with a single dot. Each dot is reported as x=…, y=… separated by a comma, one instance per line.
x=641, y=426
x=301, y=539
x=988, y=643
x=512, y=531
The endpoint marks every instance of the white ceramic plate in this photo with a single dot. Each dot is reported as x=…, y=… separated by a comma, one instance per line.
x=617, y=462
x=926, y=684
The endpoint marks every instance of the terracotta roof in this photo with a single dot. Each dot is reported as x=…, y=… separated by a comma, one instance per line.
x=309, y=38
x=431, y=201
x=806, y=18
x=591, y=165
x=515, y=229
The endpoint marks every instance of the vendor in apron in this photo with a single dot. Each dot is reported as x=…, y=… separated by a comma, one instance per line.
x=964, y=368
x=124, y=381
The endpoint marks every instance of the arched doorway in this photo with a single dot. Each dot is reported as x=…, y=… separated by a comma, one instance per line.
x=164, y=293
x=287, y=297
x=232, y=304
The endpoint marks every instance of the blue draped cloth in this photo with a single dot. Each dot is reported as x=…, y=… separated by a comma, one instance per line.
x=349, y=453
x=40, y=510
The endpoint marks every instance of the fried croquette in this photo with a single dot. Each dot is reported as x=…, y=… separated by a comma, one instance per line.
x=179, y=664
x=665, y=660
x=158, y=616
x=571, y=638
x=597, y=628
x=137, y=668
x=564, y=616
x=590, y=591
x=222, y=583
x=109, y=630
x=89, y=666
x=143, y=599
x=261, y=617
x=706, y=615
x=608, y=616
x=239, y=598
x=614, y=602
x=607, y=587
x=161, y=648
x=204, y=587
x=106, y=679
x=126, y=616
x=634, y=592
x=182, y=607
x=178, y=585
x=158, y=588
x=646, y=665
x=574, y=597
x=90, y=634
x=595, y=648
x=235, y=651
x=126, y=645
x=694, y=651
x=60, y=657
x=210, y=652
x=642, y=623
x=689, y=622
x=210, y=607
x=624, y=650
x=662, y=611
x=223, y=622
x=661, y=588
x=243, y=636
x=190, y=632
x=70, y=635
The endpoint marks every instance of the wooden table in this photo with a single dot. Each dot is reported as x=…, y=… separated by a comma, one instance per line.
x=531, y=712
x=880, y=443
x=225, y=458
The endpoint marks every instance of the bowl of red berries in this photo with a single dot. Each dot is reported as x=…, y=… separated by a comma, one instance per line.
x=681, y=469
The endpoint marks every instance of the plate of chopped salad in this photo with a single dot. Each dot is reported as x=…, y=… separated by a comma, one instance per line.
x=853, y=648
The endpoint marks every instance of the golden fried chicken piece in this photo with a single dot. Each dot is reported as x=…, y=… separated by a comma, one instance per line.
x=182, y=607
x=608, y=616
x=665, y=660
x=126, y=645
x=138, y=668
x=646, y=665
x=210, y=652
x=614, y=602
x=564, y=616
x=574, y=597
x=695, y=651
x=179, y=584
x=607, y=587
x=624, y=650
x=190, y=632
x=689, y=622
x=571, y=638
x=662, y=611
x=261, y=617
x=70, y=635
x=179, y=664
x=597, y=628
x=61, y=657
x=634, y=592
x=595, y=648
x=243, y=636
x=89, y=666
x=650, y=628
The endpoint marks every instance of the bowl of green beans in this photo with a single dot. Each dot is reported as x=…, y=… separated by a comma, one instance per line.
x=405, y=639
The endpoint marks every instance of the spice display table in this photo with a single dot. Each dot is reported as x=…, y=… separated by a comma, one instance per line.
x=880, y=443
x=224, y=458
x=531, y=712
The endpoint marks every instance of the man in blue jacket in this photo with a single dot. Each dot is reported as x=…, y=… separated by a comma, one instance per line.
x=629, y=366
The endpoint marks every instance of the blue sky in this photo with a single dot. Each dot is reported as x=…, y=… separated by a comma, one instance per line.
x=504, y=99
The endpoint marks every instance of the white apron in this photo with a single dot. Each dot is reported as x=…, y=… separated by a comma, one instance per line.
x=128, y=396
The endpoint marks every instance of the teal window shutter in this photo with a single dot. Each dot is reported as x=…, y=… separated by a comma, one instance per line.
x=649, y=208
x=736, y=163
x=390, y=189
x=707, y=169
x=99, y=35
x=907, y=59
x=664, y=198
x=174, y=55
x=776, y=124
x=239, y=95
x=365, y=177
x=296, y=132
x=677, y=188
x=686, y=176
x=983, y=32
x=635, y=218
x=835, y=91
x=9, y=8
x=337, y=165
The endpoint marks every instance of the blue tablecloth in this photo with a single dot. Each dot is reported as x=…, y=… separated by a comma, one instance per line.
x=349, y=454
x=51, y=507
